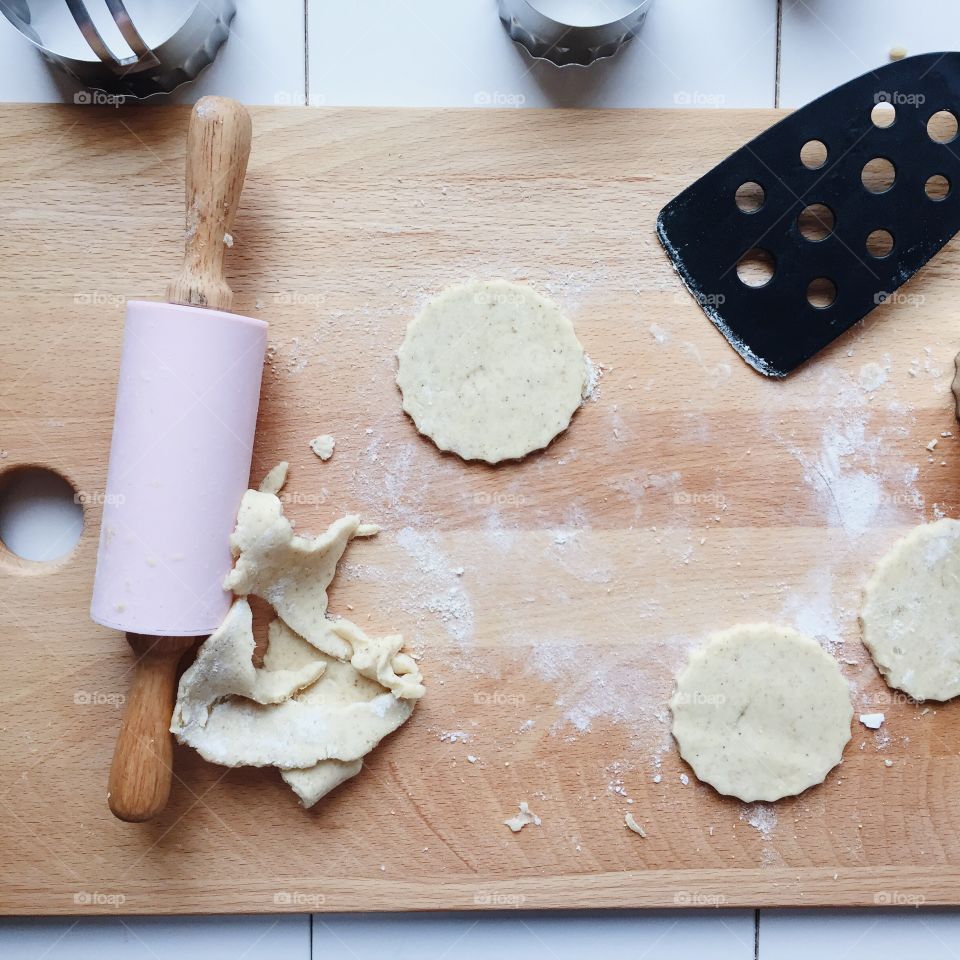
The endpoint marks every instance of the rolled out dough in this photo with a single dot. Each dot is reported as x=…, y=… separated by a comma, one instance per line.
x=761, y=712
x=491, y=371
x=325, y=696
x=911, y=612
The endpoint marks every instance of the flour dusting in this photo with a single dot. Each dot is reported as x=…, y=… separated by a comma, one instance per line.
x=762, y=817
x=436, y=587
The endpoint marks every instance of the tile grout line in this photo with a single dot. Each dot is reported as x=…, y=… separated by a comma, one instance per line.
x=778, y=63
x=306, y=102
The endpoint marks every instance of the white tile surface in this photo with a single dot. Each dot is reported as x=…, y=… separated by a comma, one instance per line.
x=896, y=935
x=825, y=43
x=720, y=935
x=262, y=61
x=156, y=938
x=445, y=53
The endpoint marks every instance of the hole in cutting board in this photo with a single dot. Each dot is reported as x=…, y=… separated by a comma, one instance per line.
x=880, y=243
x=755, y=268
x=942, y=127
x=883, y=114
x=821, y=293
x=815, y=222
x=878, y=175
x=813, y=154
x=41, y=516
x=750, y=197
x=937, y=187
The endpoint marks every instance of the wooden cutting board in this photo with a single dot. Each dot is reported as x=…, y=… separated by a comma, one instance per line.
x=689, y=494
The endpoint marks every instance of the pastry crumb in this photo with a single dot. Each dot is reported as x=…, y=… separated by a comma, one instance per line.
x=632, y=824
x=526, y=816
x=323, y=446
x=872, y=720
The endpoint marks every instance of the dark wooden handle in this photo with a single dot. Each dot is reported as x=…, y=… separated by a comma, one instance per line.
x=218, y=146
x=142, y=767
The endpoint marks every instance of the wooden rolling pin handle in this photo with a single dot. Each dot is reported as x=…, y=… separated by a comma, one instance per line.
x=218, y=146
x=142, y=767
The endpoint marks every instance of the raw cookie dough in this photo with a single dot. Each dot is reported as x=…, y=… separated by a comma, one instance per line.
x=631, y=824
x=522, y=819
x=224, y=667
x=491, y=370
x=316, y=708
x=761, y=712
x=911, y=612
x=323, y=446
x=290, y=572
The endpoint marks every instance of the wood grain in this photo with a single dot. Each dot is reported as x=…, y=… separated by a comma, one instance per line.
x=691, y=494
x=218, y=149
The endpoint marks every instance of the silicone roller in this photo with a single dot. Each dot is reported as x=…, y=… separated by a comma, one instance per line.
x=180, y=457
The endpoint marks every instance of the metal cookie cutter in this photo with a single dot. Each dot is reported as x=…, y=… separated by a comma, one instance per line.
x=101, y=46
x=579, y=39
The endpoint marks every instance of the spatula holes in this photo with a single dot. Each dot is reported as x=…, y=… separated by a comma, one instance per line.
x=937, y=187
x=813, y=154
x=755, y=268
x=41, y=515
x=878, y=175
x=821, y=293
x=750, y=197
x=942, y=127
x=883, y=115
x=815, y=222
x=880, y=243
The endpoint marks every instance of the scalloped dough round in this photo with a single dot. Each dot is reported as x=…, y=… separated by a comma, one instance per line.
x=491, y=371
x=761, y=712
x=911, y=612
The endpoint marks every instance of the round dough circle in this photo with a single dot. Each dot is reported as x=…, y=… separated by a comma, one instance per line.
x=911, y=611
x=491, y=370
x=761, y=712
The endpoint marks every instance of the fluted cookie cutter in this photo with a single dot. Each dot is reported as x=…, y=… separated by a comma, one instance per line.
x=100, y=45
x=535, y=24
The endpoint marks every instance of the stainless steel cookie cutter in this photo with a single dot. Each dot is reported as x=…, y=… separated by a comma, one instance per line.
x=105, y=47
x=567, y=44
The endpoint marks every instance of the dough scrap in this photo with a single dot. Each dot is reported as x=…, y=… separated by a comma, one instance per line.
x=224, y=667
x=314, y=783
x=631, y=824
x=911, y=609
x=323, y=446
x=282, y=715
x=287, y=651
x=491, y=371
x=290, y=572
x=761, y=712
x=519, y=820
x=293, y=734
x=343, y=721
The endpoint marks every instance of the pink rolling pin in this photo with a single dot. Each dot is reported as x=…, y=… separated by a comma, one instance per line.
x=179, y=462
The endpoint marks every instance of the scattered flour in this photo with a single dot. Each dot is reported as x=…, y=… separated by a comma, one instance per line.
x=873, y=376
x=595, y=373
x=454, y=736
x=762, y=817
x=659, y=334
x=436, y=588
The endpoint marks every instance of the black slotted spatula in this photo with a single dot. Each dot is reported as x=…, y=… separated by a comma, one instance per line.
x=877, y=160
